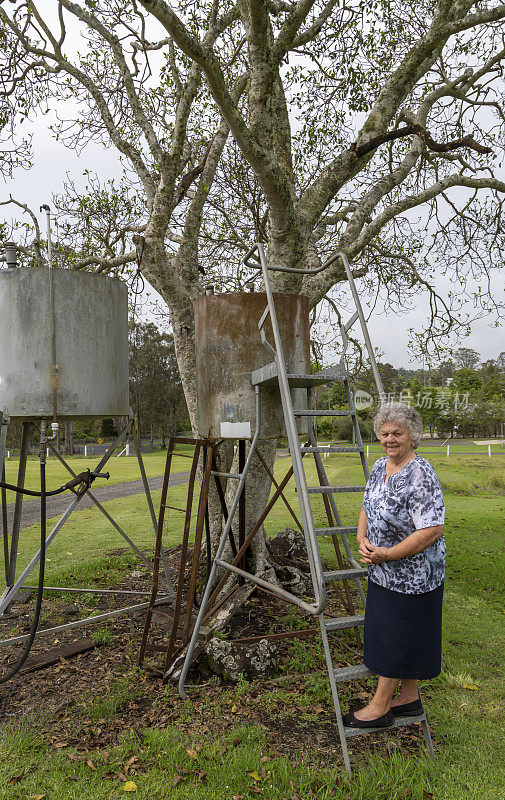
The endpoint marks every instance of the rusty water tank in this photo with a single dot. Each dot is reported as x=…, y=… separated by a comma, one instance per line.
x=91, y=326
x=228, y=349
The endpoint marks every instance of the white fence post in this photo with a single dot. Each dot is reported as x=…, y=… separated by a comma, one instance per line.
x=489, y=450
x=367, y=450
x=85, y=451
x=448, y=450
x=127, y=448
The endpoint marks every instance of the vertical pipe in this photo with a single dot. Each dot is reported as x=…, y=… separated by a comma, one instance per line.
x=52, y=312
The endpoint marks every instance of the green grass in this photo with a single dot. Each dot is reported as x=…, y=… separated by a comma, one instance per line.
x=466, y=703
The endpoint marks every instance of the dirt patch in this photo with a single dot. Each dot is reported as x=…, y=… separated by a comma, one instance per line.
x=88, y=702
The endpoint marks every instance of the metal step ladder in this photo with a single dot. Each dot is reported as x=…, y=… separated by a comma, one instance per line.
x=275, y=373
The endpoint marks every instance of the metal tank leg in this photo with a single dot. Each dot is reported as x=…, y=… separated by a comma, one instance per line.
x=11, y=593
x=163, y=558
x=222, y=543
x=104, y=511
x=10, y=564
x=4, y=424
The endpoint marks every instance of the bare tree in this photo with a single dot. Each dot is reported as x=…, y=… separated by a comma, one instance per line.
x=466, y=357
x=424, y=82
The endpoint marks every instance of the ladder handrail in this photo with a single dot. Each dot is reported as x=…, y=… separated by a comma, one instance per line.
x=294, y=445
x=350, y=277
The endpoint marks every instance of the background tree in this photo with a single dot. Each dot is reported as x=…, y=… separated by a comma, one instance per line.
x=466, y=379
x=156, y=393
x=466, y=357
x=500, y=362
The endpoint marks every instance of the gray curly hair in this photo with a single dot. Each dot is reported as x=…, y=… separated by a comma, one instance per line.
x=403, y=415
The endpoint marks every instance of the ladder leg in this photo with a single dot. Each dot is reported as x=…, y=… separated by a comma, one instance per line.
x=336, y=699
x=427, y=738
x=337, y=516
x=426, y=732
x=357, y=431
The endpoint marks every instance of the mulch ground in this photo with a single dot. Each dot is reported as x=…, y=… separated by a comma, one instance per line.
x=61, y=699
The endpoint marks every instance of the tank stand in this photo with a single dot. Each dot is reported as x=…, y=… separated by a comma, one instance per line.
x=14, y=586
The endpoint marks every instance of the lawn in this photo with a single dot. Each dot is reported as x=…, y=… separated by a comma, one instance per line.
x=181, y=751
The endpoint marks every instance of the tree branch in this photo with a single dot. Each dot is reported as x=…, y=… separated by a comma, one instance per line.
x=314, y=29
x=289, y=29
x=138, y=113
x=412, y=201
x=444, y=147
x=105, y=264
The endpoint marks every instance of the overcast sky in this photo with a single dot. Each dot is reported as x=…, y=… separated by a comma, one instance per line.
x=389, y=332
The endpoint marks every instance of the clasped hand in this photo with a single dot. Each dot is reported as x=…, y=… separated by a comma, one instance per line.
x=370, y=554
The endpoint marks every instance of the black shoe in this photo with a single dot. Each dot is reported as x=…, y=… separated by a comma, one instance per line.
x=350, y=721
x=412, y=709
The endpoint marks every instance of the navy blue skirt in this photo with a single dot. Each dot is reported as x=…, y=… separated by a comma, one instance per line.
x=403, y=633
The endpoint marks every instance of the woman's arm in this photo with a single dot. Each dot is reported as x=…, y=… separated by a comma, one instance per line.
x=410, y=546
x=365, y=548
x=362, y=525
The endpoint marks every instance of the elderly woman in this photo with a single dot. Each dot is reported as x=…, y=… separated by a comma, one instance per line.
x=400, y=538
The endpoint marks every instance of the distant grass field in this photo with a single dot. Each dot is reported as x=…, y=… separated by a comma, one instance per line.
x=466, y=703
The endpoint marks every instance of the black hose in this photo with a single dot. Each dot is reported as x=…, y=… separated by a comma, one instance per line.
x=13, y=488
x=40, y=588
x=83, y=481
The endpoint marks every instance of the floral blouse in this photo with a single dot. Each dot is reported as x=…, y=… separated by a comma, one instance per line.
x=409, y=500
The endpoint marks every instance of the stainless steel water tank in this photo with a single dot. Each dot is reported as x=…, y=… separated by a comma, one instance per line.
x=228, y=349
x=91, y=320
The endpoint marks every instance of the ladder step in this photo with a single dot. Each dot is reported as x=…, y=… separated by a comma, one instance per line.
x=269, y=374
x=350, y=673
x=334, y=489
x=343, y=574
x=331, y=449
x=330, y=412
x=341, y=531
x=340, y=623
x=398, y=723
